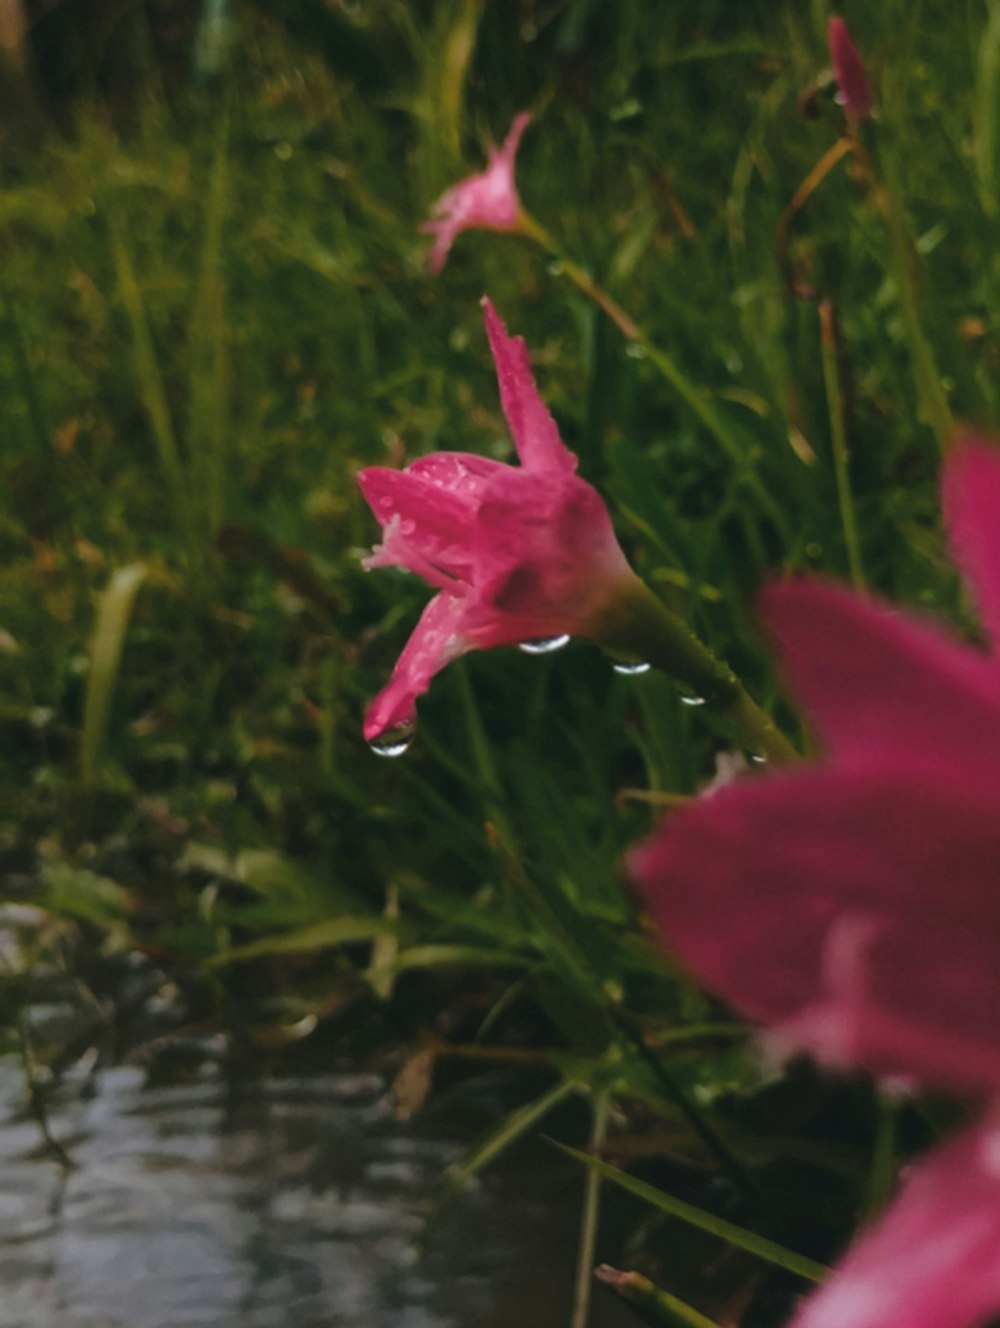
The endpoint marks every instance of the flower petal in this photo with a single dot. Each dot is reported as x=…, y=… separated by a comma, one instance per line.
x=508, y=151
x=933, y=1261
x=849, y=69
x=436, y=640
x=545, y=555
x=531, y=425
x=972, y=513
x=884, y=686
x=461, y=473
x=427, y=526
x=856, y=912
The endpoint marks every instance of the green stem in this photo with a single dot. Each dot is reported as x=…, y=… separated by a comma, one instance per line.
x=838, y=439
x=932, y=401
x=651, y=1303
x=667, y=366
x=588, y=1221
x=638, y=624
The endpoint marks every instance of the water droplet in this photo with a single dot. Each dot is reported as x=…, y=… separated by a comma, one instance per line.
x=555, y=268
x=394, y=741
x=756, y=758
x=689, y=698
x=635, y=352
x=544, y=645
x=630, y=668
x=283, y=149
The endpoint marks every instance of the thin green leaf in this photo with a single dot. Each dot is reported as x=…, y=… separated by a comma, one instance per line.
x=317, y=936
x=114, y=608
x=763, y=1248
x=651, y=1303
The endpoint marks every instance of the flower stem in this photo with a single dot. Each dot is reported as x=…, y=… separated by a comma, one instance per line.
x=591, y=1210
x=838, y=438
x=637, y=623
x=931, y=398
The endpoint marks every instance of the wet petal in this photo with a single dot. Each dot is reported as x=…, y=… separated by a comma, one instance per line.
x=855, y=912
x=885, y=686
x=972, y=514
x=461, y=473
x=933, y=1261
x=545, y=553
x=532, y=427
x=436, y=640
x=426, y=525
x=849, y=69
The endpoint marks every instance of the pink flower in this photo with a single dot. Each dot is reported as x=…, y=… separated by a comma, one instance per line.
x=854, y=907
x=487, y=201
x=934, y=1262
x=516, y=553
x=849, y=70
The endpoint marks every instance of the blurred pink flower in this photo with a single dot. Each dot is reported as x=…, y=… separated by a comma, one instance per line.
x=849, y=70
x=487, y=201
x=934, y=1262
x=853, y=907
x=517, y=553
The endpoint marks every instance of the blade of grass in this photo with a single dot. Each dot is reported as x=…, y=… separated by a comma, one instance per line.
x=763, y=1248
x=987, y=109
x=317, y=936
x=209, y=355
x=114, y=608
x=651, y=1303
x=151, y=385
x=588, y=1218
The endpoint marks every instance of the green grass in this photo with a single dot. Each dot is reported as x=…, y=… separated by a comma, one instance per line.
x=214, y=310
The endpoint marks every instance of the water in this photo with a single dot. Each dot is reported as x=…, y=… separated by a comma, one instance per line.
x=544, y=645
x=394, y=741
x=630, y=668
x=225, y=1204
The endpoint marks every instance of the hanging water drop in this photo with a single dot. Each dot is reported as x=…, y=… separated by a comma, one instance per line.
x=394, y=741
x=630, y=668
x=544, y=645
x=689, y=698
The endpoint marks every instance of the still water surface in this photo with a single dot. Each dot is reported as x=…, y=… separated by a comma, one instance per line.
x=262, y=1205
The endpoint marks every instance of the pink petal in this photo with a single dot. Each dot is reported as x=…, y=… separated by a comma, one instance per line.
x=462, y=473
x=933, y=1261
x=884, y=686
x=445, y=232
x=972, y=514
x=857, y=912
x=531, y=425
x=545, y=555
x=849, y=69
x=436, y=640
x=512, y=142
x=427, y=526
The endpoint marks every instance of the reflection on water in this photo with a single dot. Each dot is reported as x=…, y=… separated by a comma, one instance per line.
x=261, y=1205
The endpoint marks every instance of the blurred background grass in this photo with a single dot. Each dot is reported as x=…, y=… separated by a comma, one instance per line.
x=215, y=308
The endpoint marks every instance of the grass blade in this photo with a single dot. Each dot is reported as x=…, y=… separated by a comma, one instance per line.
x=763, y=1248
x=114, y=609
x=652, y=1304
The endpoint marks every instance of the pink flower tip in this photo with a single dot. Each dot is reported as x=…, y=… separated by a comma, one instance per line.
x=486, y=201
x=849, y=70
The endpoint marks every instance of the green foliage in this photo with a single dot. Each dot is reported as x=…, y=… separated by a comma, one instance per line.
x=215, y=310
